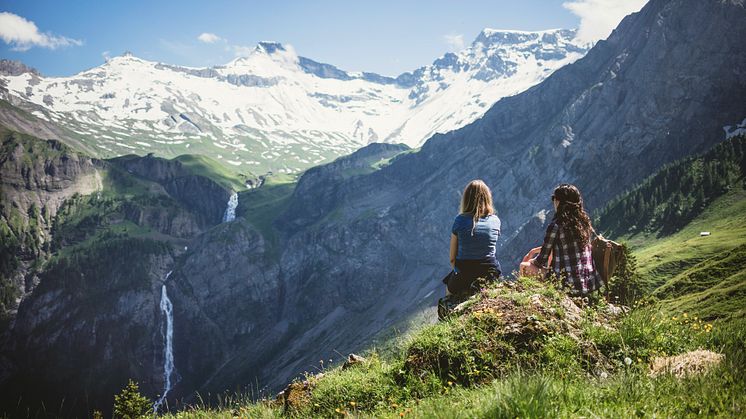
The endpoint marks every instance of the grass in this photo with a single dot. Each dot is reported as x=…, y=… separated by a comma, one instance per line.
x=459, y=369
x=262, y=205
x=202, y=165
x=705, y=276
x=660, y=259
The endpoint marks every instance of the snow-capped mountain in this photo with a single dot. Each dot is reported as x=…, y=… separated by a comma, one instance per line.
x=275, y=110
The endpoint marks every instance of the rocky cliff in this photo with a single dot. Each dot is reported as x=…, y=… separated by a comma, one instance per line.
x=37, y=177
x=86, y=248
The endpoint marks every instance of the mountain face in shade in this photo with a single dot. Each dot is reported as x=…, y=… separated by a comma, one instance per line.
x=362, y=243
x=275, y=110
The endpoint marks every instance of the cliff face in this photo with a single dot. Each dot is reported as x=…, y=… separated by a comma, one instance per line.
x=37, y=177
x=203, y=196
x=86, y=248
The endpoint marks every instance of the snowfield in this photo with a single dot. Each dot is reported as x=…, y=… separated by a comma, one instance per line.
x=286, y=109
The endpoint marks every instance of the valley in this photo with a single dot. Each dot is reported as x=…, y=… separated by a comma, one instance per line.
x=170, y=265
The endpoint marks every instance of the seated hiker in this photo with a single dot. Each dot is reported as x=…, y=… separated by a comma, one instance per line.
x=568, y=239
x=473, y=238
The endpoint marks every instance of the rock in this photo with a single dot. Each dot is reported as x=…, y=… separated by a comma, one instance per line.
x=296, y=394
x=614, y=310
x=687, y=364
x=353, y=360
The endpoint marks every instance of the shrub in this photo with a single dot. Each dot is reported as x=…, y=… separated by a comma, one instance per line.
x=130, y=404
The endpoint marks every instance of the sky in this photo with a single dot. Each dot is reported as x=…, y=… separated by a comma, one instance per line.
x=388, y=37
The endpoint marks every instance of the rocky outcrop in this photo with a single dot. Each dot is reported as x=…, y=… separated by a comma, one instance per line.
x=228, y=303
x=89, y=326
x=200, y=194
x=37, y=177
x=321, y=189
x=15, y=68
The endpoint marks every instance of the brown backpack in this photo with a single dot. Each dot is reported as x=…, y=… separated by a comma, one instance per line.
x=607, y=255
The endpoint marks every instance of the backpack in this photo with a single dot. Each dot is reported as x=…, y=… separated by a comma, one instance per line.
x=607, y=255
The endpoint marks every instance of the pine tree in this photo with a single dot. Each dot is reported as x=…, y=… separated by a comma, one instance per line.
x=625, y=286
x=130, y=404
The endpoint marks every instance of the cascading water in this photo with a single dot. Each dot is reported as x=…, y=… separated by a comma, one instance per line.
x=168, y=344
x=230, y=210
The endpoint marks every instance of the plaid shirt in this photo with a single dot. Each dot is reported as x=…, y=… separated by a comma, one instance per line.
x=570, y=261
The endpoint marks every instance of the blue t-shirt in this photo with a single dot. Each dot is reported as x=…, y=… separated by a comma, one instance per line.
x=480, y=244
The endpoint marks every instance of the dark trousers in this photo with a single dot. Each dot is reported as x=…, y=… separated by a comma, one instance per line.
x=469, y=273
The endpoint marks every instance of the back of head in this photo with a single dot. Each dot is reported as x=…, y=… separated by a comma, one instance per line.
x=477, y=199
x=571, y=214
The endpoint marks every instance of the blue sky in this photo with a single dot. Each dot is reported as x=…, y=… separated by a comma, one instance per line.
x=387, y=37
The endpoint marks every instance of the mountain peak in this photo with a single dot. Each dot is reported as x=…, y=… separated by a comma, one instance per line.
x=15, y=68
x=270, y=47
x=490, y=36
x=124, y=57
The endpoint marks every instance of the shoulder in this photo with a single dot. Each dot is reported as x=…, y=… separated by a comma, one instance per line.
x=461, y=221
x=462, y=218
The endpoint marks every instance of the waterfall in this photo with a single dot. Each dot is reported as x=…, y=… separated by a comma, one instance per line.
x=168, y=344
x=230, y=210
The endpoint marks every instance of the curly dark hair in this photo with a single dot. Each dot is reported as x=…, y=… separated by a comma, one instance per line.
x=570, y=213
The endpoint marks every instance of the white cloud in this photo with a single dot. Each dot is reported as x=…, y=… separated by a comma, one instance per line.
x=209, y=38
x=455, y=42
x=106, y=55
x=22, y=34
x=599, y=17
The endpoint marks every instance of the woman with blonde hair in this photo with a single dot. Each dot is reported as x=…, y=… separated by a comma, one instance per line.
x=474, y=237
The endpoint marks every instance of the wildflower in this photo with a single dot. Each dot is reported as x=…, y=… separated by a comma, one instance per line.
x=450, y=383
x=673, y=318
x=686, y=315
x=353, y=404
x=628, y=360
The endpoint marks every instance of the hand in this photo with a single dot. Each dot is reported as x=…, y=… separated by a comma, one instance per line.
x=529, y=269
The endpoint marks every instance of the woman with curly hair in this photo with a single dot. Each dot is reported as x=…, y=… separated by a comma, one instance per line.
x=568, y=240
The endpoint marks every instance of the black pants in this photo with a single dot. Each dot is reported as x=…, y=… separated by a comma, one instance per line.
x=469, y=272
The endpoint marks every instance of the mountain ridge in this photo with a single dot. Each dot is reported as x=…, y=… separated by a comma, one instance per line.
x=274, y=110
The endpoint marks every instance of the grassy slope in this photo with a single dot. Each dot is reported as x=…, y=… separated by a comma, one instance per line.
x=706, y=275
x=470, y=367
x=261, y=206
x=211, y=168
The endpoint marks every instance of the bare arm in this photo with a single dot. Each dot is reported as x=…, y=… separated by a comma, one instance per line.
x=542, y=259
x=454, y=249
